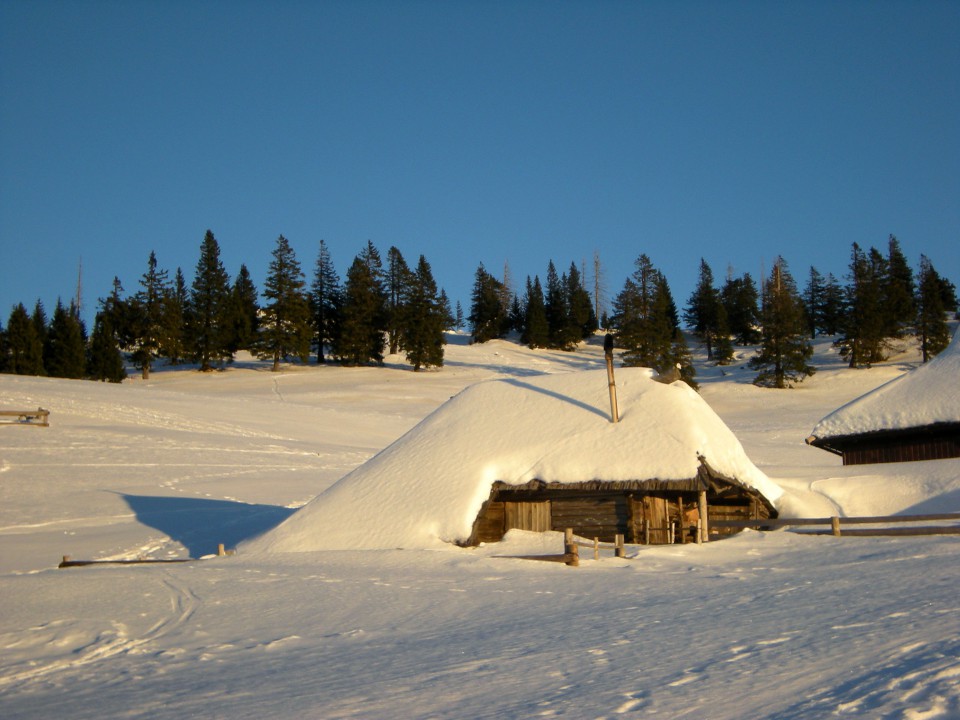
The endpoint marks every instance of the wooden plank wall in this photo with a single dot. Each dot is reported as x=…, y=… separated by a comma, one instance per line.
x=600, y=517
x=928, y=449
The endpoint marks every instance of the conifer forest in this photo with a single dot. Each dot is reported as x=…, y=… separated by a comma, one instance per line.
x=383, y=305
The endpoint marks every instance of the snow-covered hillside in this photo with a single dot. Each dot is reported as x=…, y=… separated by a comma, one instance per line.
x=762, y=625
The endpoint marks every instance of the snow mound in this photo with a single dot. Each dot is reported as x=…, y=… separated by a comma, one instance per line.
x=925, y=396
x=427, y=487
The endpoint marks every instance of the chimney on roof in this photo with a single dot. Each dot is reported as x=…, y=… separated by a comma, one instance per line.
x=608, y=354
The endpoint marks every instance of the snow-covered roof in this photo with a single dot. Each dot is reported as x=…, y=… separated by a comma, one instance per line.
x=926, y=396
x=429, y=485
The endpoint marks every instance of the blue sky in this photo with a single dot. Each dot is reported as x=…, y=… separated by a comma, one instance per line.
x=490, y=131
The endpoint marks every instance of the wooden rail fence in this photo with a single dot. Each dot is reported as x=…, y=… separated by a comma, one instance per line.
x=572, y=544
x=838, y=529
x=37, y=418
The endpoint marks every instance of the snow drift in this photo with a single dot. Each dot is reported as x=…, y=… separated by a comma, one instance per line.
x=428, y=486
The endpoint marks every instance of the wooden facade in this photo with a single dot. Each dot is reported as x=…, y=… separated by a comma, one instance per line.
x=935, y=442
x=652, y=511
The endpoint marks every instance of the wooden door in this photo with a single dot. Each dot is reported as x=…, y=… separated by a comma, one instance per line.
x=650, y=520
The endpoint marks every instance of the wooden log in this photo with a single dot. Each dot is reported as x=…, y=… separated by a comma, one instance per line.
x=835, y=526
x=620, y=550
x=699, y=531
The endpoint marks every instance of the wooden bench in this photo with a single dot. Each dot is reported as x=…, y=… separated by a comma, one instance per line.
x=38, y=417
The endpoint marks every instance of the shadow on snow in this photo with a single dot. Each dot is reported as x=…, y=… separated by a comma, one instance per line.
x=200, y=524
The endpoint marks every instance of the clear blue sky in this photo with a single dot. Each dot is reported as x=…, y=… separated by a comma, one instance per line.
x=489, y=131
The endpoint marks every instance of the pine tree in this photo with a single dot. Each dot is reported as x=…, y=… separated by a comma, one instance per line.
x=535, y=332
x=422, y=326
x=399, y=281
x=208, y=316
x=24, y=346
x=361, y=337
x=931, y=324
x=899, y=290
x=285, y=325
x=704, y=311
x=488, y=316
x=326, y=302
x=64, y=353
x=244, y=312
x=41, y=322
x=458, y=317
x=785, y=348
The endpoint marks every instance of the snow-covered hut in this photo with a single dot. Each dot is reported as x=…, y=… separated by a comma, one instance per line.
x=540, y=453
x=913, y=417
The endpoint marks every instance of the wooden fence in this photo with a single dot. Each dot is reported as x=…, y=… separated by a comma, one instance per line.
x=572, y=544
x=38, y=417
x=837, y=529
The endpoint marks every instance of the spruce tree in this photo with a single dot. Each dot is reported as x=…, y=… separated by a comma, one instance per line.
x=862, y=339
x=361, y=337
x=704, y=311
x=148, y=309
x=326, y=302
x=643, y=326
x=488, y=316
x=581, y=321
x=458, y=317
x=105, y=362
x=41, y=322
x=785, y=349
x=24, y=346
x=175, y=308
x=899, y=290
x=399, y=280
x=285, y=326
x=65, y=349
x=740, y=298
x=208, y=316
x=833, y=308
x=932, y=330
x=535, y=332
x=555, y=304
x=814, y=301
x=244, y=312
x=422, y=327
x=448, y=319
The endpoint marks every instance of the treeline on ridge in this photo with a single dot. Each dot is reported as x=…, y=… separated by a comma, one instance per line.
x=385, y=307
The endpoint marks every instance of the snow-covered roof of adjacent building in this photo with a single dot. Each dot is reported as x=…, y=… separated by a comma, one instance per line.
x=428, y=487
x=926, y=396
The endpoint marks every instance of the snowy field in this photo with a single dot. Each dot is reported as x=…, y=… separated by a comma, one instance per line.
x=764, y=625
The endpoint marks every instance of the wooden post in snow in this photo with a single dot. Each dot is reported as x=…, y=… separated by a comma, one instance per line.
x=704, y=521
x=608, y=354
x=571, y=553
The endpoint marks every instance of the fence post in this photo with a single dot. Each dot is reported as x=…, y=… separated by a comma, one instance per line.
x=705, y=523
x=571, y=553
x=699, y=532
x=619, y=550
x=835, y=526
